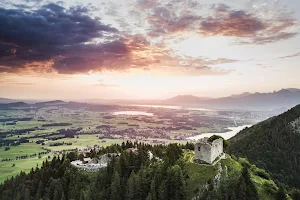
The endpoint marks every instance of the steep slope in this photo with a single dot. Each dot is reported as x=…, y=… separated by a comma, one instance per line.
x=225, y=178
x=274, y=145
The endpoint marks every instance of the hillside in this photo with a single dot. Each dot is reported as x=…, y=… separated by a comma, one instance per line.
x=226, y=180
x=14, y=105
x=5, y=100
x=274, y=145
x=50, y=103
x=170, y=174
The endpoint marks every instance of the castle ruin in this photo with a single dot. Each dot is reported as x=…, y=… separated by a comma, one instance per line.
x=207, y=151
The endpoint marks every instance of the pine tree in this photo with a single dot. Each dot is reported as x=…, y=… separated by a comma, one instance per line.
x=131, y=186
x=63, y=196
x=241, y=189
x=175, y=183
x=57, y=195
x=153, y=193
x=40, y=191
x=124, y=167
x=116, y=187
x=82, y=197
x=163, y=192
x=251, y=191
x=295, y=194
x=281, y=194
x=27, y=194
x=51, y=189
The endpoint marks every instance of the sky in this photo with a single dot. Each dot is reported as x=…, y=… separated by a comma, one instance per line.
x=147, y=49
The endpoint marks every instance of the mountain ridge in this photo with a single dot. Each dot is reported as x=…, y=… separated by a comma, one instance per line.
x=282, y=99
x=273, y=100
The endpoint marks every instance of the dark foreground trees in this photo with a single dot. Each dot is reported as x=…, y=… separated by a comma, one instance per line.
x=130, y=176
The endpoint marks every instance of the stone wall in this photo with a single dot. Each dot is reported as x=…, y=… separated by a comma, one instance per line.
x=217, y=148
x=208, y=152
x=203, y=152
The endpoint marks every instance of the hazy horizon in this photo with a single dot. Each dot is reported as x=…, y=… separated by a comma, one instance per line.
x=131, y=99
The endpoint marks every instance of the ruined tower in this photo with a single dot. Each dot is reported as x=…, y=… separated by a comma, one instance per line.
x=207, y=151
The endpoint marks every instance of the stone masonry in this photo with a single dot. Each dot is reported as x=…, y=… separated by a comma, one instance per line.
x=208, y=151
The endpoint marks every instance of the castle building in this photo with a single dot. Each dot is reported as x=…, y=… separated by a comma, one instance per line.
x=207, y=151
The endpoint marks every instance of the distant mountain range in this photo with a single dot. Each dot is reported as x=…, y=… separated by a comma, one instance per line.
x=187, y=99
x=4, y=100
x=278, y=100
x=285, y=98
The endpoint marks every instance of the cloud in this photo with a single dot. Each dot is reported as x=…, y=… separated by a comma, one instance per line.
x=166, y=21
x=291, y=56
x=54, y=39
x=146, y=4
x=236, y=23
x=250, y=27
x=168, y=17
x=21, y=83
x=36, y=1
x=194, y=71
x=158, y=57
x=205, y=70
x=53, y=34
x=102, y=84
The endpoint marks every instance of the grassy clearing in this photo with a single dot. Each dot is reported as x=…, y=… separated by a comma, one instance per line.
x=198, y=175
x=82, y=142
x=231, y=163
x=262, y=190
x=259, y=182
x=6, y=168
x=7, y=171
x=188, y=155
x=21, y=150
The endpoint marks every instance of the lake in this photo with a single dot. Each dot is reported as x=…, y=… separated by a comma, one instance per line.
x=171, y=107
x=226, y=135
x=132, y=113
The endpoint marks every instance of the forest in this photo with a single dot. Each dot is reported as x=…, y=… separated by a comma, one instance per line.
x=131, y=175
x=273, y=145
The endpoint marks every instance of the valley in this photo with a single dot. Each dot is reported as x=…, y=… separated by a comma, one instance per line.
x=34, y=132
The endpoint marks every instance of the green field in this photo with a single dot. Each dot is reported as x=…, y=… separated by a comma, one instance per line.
x=21, y=150
x=82, y=142
x=46, y=123
x=7, y=170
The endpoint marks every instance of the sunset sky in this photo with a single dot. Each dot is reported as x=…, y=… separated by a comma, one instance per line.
x=147, y=49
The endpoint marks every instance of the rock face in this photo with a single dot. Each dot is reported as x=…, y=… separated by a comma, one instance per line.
x=208, y=151
x=296, y=125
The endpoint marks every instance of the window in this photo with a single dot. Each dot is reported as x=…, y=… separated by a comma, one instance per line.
x=198, y=148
